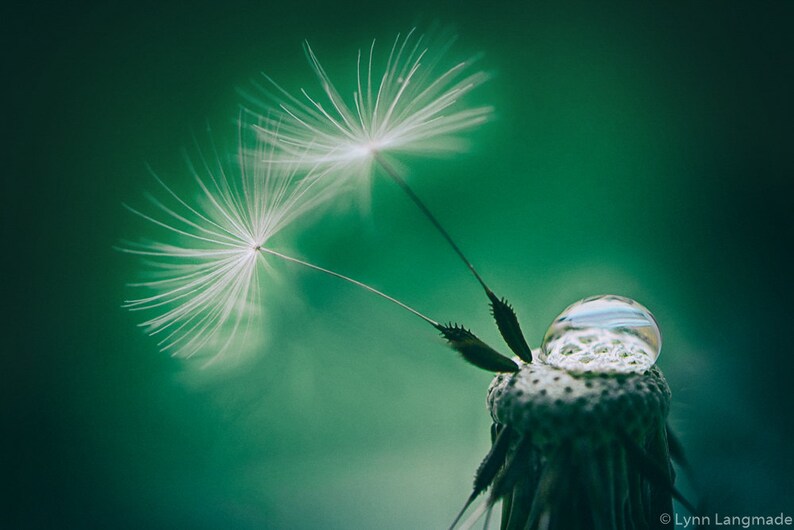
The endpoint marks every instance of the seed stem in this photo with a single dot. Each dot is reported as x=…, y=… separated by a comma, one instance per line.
x=349, y=280
x=395, y=176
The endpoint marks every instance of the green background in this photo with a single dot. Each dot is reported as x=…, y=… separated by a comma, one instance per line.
x=638, y=150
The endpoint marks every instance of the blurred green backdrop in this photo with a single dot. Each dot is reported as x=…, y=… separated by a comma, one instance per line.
x=639, y=150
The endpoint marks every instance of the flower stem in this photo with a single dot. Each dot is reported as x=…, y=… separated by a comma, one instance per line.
x=350, y=280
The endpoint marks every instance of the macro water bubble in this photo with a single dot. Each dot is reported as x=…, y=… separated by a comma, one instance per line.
x=603, y=334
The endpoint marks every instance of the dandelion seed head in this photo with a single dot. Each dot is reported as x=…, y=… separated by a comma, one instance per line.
x=201, y=291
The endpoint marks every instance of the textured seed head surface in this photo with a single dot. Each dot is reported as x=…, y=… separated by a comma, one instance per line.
x=552, y=405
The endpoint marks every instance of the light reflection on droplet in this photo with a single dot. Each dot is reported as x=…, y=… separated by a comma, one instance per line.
x=603, y=334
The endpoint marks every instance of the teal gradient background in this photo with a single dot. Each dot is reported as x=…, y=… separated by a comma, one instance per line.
x=637, y=150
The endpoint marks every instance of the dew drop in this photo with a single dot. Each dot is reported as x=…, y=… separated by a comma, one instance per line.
x=603, y=334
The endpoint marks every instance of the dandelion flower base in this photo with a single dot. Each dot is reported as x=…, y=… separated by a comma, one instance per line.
x=552, y=405
x=586, y=450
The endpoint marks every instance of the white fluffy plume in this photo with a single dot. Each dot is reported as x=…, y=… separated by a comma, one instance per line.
x=411, y=105
x=202, y=290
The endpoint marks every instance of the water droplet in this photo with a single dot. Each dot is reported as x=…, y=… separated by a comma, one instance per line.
x=603, y=334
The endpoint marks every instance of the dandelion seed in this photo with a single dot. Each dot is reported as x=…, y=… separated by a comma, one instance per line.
x=412, y=109
x=203, y=287
x=409, y=107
